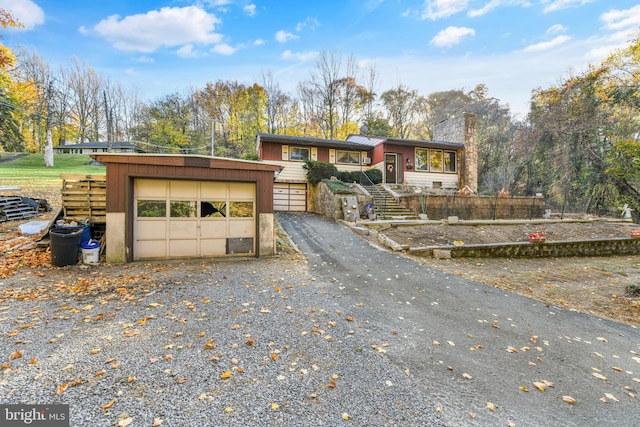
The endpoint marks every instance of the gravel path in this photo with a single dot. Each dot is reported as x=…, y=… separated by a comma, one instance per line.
x=232, y=343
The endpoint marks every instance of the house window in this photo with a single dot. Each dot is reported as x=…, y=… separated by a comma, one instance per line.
x=348, y=157
x=435, y=160
x=182, y=209
x=299, y=153
x=152, y=208
x=450, y=161
x=422, y=159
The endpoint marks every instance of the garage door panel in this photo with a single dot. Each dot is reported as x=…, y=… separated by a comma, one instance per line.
x=240, y=228
x=151, y=229
x=213, y=247
x=213, y=229
x=152, y=248
x=213, y=190
x=183, y=229
x=188, y=189
x=242, y=191
x=182, y=248
x=150, y=188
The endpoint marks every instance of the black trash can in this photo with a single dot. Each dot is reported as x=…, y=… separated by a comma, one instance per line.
x=65, y=244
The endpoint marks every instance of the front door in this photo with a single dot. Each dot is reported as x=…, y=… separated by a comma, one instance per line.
x=391, y=169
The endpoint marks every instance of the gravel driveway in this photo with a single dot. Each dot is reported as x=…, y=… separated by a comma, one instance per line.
x=222, y=343
x=484, y=356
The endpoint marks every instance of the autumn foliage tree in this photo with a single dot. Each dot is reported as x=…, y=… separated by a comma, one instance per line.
x=9, y=125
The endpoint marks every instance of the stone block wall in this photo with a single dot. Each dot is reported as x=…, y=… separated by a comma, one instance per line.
x=477, y=207
x=324, y=202
x=569, y=248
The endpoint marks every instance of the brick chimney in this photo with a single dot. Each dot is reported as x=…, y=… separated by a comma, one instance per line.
x=464, y=130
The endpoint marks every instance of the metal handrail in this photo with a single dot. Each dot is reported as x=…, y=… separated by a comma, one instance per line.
x=370, y=184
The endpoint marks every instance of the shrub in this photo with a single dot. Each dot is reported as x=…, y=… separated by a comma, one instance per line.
x=317, y=171
x=338, y=187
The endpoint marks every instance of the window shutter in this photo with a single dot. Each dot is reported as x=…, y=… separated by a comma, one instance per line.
x=285, y=152
x=314, y=154
x=332, y=156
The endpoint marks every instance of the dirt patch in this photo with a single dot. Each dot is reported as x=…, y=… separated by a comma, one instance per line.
x=602, y=286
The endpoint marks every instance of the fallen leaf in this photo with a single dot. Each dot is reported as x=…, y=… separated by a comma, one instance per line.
x=274, y=406
x=332, y=384
x=511, y=350
x=95, y=351
x=225, y=375
x=491, y=406
x=345, y=416
x=523, y=388
x=125, y=422
x=209, y=345
x=108, y=405
x=467, y=376
x=611, y=397
x=62, y=388
x=472, y=415
x=156, y=422
x=599, y=376
x=603, y=339
x=228, y=409
x=15, y=355
x=539, y=385
x=181, y=380
x=101, y=372
x=568, y=399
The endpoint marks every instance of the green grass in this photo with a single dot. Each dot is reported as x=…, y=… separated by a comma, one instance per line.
x=30, y=171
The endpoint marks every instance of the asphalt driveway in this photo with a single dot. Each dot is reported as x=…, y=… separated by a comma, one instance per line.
x=483, y=355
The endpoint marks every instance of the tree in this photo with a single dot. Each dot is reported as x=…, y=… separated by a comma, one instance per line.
x=400, y=105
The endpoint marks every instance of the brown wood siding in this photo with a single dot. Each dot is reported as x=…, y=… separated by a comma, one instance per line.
x=271, y=151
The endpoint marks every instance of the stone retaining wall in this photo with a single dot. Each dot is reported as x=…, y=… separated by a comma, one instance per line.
x=568, y=248
x=477, y=207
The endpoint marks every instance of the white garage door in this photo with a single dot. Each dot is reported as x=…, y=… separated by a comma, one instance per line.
x=289, y=197
x=180, y=219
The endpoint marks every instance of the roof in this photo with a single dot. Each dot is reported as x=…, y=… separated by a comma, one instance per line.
x=377, y=140
x=306, y=140
x=187, y=160
x=357, y=142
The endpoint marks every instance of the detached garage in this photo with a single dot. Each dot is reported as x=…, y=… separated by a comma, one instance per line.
x=179, y=206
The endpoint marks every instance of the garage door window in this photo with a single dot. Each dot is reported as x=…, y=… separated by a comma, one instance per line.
x=152, y=208
x=241, y=209
x=213, y=209
x=183, y=209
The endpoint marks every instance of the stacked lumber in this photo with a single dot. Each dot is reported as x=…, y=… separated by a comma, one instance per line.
x=85, y=196
x=15, y=207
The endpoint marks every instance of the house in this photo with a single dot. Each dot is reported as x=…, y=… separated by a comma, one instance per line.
x=96, y=147
x=449, y=162
x=162, y=206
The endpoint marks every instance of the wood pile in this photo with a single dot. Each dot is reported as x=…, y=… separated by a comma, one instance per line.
x=85, y=196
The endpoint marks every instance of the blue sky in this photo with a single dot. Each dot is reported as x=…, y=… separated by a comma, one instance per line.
x=162, y=46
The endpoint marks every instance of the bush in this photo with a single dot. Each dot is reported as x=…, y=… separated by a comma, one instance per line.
x=317, y=171
x=375, y=175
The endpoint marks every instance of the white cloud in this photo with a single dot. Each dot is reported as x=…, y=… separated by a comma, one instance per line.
x=284, y=36
x=250, y=9
x=301, y=56
x=187, y=51
x=224, y=49
x=259, y=42
x=436, y=9
x=494, y=4
x=555, y=29
x=451, y=36
x=621, y=19
x=553, y=5
x=26, y=12
x=167, y=27
x=311, y=23
x=144, y=59
x=539, y=47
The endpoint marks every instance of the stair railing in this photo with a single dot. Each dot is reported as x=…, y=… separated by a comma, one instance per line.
x=365, y=181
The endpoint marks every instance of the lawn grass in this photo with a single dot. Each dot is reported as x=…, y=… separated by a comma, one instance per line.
x=30, y=171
